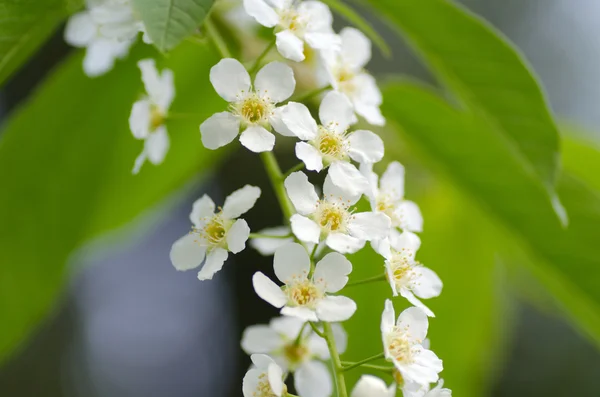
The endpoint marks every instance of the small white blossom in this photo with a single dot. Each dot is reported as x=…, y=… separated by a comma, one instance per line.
x=296, y=22
x=306, y=295
x=331, y=144
x=296, y=353
x=372, y=386
x=263, y=380
x=148, y=115
x=412, y=389
x=331, y=218
x=252, y=109
x=347, y=75
x=387, y=195
x=402, y=345
x=408, y=277
x=214, y=234
x=107, y=29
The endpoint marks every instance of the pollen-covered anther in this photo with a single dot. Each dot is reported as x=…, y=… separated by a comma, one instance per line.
x=303, y=293
x=399, y=346
x=263, y=389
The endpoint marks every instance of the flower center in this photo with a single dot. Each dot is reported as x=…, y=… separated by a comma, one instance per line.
x=332, y=216
x=402, y=268
x=215, y=230
x=296, y=353
x=303, y=293
x=291, y=19
x=399, y=346
x=157, y=117
x=263, y=389
x=332, y=145
x=345, y=78
x=254, y=109
x=386, y=205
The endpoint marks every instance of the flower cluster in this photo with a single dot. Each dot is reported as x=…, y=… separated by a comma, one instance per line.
x=323, y=223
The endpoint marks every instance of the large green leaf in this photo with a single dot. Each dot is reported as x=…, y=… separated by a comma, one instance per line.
x=461, y=147
x=168, y=22
x=24, y=26
x=486, y=74
x=65, y=171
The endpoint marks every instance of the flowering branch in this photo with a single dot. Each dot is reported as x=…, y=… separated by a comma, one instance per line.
x=335, y=359
x=369, y=280
x=365, y=361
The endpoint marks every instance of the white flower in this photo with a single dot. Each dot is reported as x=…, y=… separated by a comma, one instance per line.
x=372, y=386
x=296, y=353
x=296, y=22
x=407, y=277
x=331, y=218
x=265, y=380
x=412, y=389
x=107, y=29
x=347, y=75
x=252, y=109
x=330, y=144
x=402, y=345
x=214, y=234
x=148, y=115
x=387, y=196
x=304, y=295
x=267, y=246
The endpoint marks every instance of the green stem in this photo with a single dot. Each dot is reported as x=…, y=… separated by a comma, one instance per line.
x=362, y=362
x=373, y=279
x=383, y=368
x=299, y=337
x=335, y=359
x=316, y=330
x=260, y=235
x=276, y=178
x=260, y=58
x=310, y=94
x=297, y=167
x=216, y=38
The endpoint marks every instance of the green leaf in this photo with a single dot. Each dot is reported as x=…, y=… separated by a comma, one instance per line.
x=486, y=74
x=24, y=26
x=460, y=146
x=168, y=22
x=65, y=170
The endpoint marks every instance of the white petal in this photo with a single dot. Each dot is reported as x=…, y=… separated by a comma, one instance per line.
x=425, y=368
x=429, y=285
x=340, y=336
x=356, y=48
x=219, y=129
x=323, y=41
x=392, y=181
x=261, y=361
x=348, y=179
x=167, y=91
x=369, y=226
x=275, y=81
x=372, y=386
x=99, y=57
x=157, y=145
x=237, y=236
x=291, y=261
x=305, y=229
x=240, y=201
x=139, y=120
x=390, y=278
x=151, y=78
x=336, y=112
x=312, y=379
x=257, y=139
x=367, y=170
x=299, y=121
x=310, y=156
x=139, y=161
x=268, y=246
x=187, y=252
x=250, y=382
x=303, y=313
x=343, y=243
x=277, y=123
x=268, y=290
x=388, y=317
x=301, y=192
x=332, y=271
x=262, y=12
x=369, y=112
x=365, y=146
x=214, y=262
x=290, y=46
x=317, y=14
x=80, y=29
x=202, y=209
x=335, y=308
x=260, y=339
x=406, y=241
x=416, y=302
x=368, y=93
x=275, y=376
x=410, y=216
x=332, y=192
x=414, y=320
x=287, y=326
x=230, y=79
